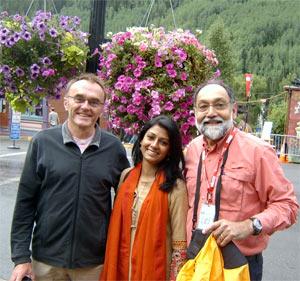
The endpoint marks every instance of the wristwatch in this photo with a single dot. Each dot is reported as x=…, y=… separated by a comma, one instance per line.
x=256, y=225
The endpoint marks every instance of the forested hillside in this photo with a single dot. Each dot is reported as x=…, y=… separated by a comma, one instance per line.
x=265, y=35
x=261, y=36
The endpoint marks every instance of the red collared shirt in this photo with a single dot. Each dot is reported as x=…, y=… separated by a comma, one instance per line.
x=253, y=184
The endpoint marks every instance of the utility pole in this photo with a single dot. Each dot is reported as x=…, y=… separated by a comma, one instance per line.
x=96, y=30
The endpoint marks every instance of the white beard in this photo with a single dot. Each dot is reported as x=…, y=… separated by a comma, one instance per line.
x=214, y=132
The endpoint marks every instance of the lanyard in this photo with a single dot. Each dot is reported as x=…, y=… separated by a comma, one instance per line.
x=213, y=180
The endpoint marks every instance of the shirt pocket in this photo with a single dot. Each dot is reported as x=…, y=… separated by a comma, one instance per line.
x=234, y=182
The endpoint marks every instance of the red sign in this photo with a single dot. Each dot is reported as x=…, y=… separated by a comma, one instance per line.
x=294, y=111
x=248, y=77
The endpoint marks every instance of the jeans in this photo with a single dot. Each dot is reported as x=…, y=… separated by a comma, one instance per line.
x=255, y=266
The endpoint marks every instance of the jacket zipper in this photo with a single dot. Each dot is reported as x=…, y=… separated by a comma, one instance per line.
x=71, y=262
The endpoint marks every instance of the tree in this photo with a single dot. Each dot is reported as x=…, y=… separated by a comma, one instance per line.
x=253, y=106
x=218, y=38
x=277, y=114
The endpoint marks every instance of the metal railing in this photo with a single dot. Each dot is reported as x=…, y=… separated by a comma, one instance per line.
x=285, y=145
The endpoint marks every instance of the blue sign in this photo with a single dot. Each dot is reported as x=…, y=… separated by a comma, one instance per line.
x=15, y=126
x=15, y=131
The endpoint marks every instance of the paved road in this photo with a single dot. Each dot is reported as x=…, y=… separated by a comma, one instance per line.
x=281, y=259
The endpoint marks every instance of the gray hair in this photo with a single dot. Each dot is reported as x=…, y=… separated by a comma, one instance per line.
x=228, y=90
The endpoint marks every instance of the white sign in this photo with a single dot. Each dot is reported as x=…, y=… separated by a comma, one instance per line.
x=266, y=131
x=297, y=108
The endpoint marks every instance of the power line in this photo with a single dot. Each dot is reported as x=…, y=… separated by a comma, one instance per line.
x=173, y=15
x=261, y=100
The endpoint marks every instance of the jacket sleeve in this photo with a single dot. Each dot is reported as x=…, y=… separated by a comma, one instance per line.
x=25, y=208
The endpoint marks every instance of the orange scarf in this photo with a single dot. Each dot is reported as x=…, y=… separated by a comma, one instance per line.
x=148, y=260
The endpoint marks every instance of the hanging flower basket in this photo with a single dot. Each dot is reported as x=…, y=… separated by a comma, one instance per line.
x=150, y=72
x=38, y=55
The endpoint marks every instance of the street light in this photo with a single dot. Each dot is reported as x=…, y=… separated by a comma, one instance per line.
x=96, y=30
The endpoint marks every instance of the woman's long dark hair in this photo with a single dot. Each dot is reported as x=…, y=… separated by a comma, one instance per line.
x=173, y=164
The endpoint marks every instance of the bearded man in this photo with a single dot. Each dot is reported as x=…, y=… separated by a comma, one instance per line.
x=255, y=197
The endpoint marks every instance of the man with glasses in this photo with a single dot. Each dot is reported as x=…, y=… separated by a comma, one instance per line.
x=255, y=197
x=64, y=193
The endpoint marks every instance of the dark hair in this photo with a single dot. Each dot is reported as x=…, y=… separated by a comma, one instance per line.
x=215, y=82
x=173, y=164
x=91, y=77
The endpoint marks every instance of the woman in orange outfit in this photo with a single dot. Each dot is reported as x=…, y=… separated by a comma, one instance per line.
x=147, y=236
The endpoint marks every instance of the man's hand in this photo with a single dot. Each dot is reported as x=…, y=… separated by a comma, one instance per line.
x=22, y=270
x=224, y=231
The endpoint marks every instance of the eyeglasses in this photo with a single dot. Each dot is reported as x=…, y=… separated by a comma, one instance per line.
x=79, y=99
x=219, y=106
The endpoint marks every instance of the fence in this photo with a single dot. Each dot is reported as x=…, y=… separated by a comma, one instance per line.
x=286, y=146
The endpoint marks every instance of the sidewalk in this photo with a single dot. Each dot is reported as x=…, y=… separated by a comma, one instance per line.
x=7, y=145
x=12, y=157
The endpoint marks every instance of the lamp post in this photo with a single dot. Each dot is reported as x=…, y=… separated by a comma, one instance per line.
x=96, y=30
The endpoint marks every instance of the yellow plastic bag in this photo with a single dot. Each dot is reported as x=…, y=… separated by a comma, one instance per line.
x=208, y=265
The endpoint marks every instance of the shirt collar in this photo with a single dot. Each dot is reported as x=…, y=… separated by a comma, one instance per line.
x=67, y=137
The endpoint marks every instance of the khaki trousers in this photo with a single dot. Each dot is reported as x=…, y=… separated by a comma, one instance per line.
x=45, y=272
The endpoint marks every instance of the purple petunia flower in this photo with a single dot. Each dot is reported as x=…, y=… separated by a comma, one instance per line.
x=46, y=61
x=63, y=23
x=76, y=20
x=34, y=76
x=20, y=72
x=11, y=41
x=17, y=37
x=35, y=69
x=53, y=32
x=4, y=31
x=42, y=36
x=17, y=17
x=24, y=27
x=26, y=35
x=41, y=27
x=3, y=39
x=5, y=69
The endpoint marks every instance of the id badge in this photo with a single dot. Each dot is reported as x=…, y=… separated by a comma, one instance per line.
x=207, y=216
